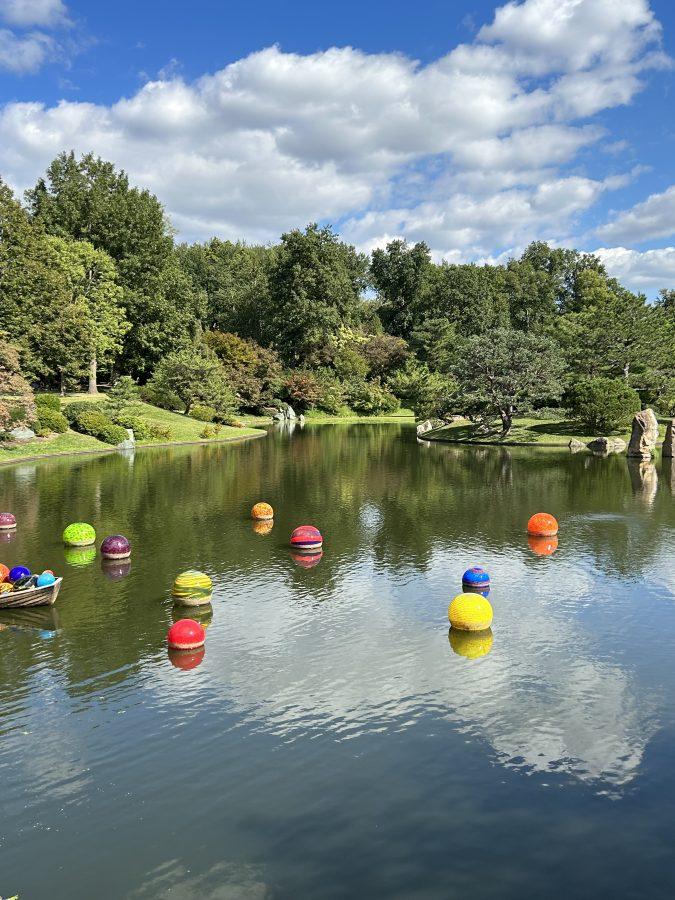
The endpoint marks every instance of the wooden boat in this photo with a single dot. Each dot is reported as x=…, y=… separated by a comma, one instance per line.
x=35, y=596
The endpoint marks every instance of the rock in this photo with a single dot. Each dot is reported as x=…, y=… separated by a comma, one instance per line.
x=130, y=443
x=22, y=433
x=290, y=412
x=576, y=446
x=279, y=417
x=644, y=435
x=425, y=426
x=668, y=448
x=270, y=410
x=606, y=445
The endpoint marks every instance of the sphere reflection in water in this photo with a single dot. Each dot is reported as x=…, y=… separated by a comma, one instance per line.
x=202, y=614
x=543, y=546
x=470, y=644
x=307, y=560
x=6, y=537
x=262, y=527
x=116, y=569
x=186, y=659
x=79, y=556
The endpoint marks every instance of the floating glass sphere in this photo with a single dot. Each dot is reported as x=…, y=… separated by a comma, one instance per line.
x=192, y=588
x=476, y=577
x=470, y=612
x=186, y=634
x=542, y=525
x=262, y=512
x=18, y=572
x=306, y=538
x=115, y=546
x=79, y=534
x=7, y=521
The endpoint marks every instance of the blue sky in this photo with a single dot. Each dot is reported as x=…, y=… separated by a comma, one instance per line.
x=474, y=126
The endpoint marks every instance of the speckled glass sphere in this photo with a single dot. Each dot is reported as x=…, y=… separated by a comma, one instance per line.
x=6, y=587
x=306, y=538
x=470, y=644
x=476, y=577
x=470, y=612
x=542, y=525
x=115, y=546
x=79, y=534
x=4, y=572
x=186, y=634
x=192, y=588
x=7, y=521
x=262, y=511
x=18, y=572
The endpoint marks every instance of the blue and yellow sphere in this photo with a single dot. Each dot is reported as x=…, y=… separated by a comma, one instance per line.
x=79, y=534
x=470, y=612
x=476, y=577
x=192, y=588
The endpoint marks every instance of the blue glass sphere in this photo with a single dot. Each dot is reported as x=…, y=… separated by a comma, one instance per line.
x=18, y=572
x=45, y=579
x=476, y=577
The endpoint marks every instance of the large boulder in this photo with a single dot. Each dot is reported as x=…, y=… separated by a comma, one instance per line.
x=644, y=435
x=22, y=433
x=668, y=449
x=290, y=412
x=576, y=446
x=605, y=445
x=425, y=426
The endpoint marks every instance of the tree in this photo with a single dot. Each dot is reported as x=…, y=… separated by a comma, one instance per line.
x=505, y=370
x=400, y=276
x=17, y=404
x=531, y=296
x=563, y=267
x=384, y=353
x=470, y=297
x=315, y=287
x=253, y=371
x=603, y=404
x=195, y=375
x=429, y=394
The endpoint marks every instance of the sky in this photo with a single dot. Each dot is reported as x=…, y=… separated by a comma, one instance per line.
x=472, y=126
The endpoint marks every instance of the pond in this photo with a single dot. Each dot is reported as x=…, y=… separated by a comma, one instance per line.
x=335, y=740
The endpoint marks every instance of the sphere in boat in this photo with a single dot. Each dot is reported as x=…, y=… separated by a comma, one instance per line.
x=542, y=525
x=541, y=545
x=470, y=644
x=45, y=579
x=115, y=546
x=192, y=588
x=25, y=581
x=186, y=634
x=4, y=572
x=18, y=572
x=48, y=572
x=6, y=587
x=306, y=539
x=470, y=612
x=263, y=512
x=7, y=521
x=79, y=534
x=476, y=578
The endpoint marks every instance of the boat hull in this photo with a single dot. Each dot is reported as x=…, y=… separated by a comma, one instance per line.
x=43, y=596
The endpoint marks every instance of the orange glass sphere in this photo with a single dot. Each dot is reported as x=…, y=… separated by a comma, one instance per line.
x=4, y=572
x=263, y=512
x=542, y=525
x=542, y=545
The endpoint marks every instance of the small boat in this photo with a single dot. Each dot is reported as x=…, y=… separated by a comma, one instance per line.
x=33, y=596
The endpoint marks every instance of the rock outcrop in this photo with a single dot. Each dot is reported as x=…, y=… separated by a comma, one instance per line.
x=425, y=426
x=576, y=446
x=668, y=449
x=605, y=445
x=22, y=433
x=644, y=435
x=129, y=443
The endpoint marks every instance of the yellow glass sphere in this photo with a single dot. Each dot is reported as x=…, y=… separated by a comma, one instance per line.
x=263, y=512
x=192, y=588
x=470, y=644
x=470, y=612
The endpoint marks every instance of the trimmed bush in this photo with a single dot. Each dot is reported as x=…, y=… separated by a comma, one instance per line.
x=49, y=420
x=602, y=404
x=98, y=425
x=48, y=401
x=203, y=413
x=72, y=411
x=143, y=429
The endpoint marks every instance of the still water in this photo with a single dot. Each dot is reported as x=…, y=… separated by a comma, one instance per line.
x=334, y=742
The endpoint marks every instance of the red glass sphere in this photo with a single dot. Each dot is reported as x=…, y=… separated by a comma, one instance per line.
x=186, y=634
x=307, y=538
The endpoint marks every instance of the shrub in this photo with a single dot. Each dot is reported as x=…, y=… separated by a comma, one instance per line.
x=302, y=389
x=210, y=431
x=49, y=420
x=197, y=377
x=332, y=397
x=123, y=392
x=139, y=426
x=370, y=398
x=160, y=432
x=158, y=396
x=72, y=411
x=203, y=413
x=603, y=404
x=98, y=425
x=48, y=401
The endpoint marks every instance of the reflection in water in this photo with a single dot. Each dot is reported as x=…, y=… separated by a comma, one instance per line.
x=115, y=569
x=644, y=479
x=79, y=556
x=306, y=560
x=329, y=719
x=186, y=659
x=262, y=528
x=202, y=613
x=541, y=545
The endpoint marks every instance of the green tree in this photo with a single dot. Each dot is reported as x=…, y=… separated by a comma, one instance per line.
x=470, y=297
x=603, y=404
x=429, y=394
x=503, y=371
x=195, y=375
x=253, y=371
x=563, y=267
x=400, y=275
x=530, y=294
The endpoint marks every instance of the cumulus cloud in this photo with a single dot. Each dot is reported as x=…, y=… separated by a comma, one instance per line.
x=24, y=13
x=646, y=221
x=24, y=54
x=471, y=152
x=645, y=271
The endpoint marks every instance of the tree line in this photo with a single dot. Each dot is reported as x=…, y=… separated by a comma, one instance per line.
x=93, y=284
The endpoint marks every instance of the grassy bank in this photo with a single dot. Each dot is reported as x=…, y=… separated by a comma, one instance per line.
x=525, y=432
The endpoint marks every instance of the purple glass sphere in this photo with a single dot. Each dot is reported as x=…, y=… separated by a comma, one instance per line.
x=115, y=546
x=7, y=520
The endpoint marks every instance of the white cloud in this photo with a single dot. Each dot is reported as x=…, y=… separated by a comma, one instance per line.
x=645, y=271
x=24, y=54
x=646, y=221
x=24, y=13
x=466, y=152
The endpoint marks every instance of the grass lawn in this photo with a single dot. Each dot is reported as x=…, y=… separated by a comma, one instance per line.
x=70, y=442
x=547, y=433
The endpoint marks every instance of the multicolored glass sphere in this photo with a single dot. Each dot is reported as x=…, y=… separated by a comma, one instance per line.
x=307, y=539
x=7, y=521
x=115, y=546
x=263, y=512
x=192, y=588
x=470, y=612
x=542, y=525
x=79, y=534
x=186, y=634
x=18, y=572
x=476, y=578
x=4, y=572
